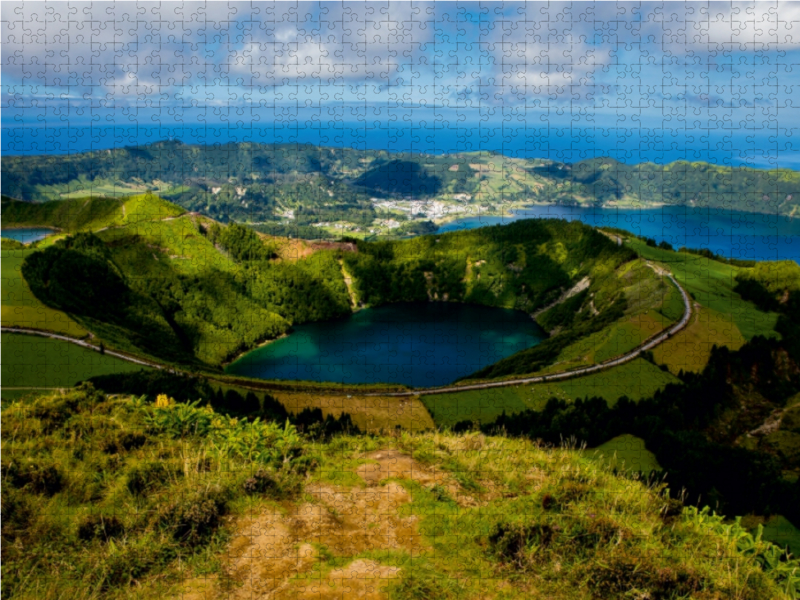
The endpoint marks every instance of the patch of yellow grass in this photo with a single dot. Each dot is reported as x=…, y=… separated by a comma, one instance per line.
x=370, y=413
x=690, y=349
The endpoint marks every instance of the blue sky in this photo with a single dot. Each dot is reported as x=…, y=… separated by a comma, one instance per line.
x=672, y=66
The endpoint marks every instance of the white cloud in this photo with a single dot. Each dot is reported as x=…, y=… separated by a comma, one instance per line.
x=477, y=53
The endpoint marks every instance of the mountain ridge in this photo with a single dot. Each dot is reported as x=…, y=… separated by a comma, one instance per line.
x=374, y=191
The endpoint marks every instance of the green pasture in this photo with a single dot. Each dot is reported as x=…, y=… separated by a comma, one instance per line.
x=637, y=379
x=690, y=349
x=30, y=361
x=711, y=284
x=20, y=308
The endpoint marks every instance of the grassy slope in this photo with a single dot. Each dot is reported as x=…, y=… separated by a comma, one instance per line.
x=721, y=318
x=153, y=248
x=636, y=379
x=31, y=361
x=711, y=284
x=20, y=308
x=89, y=214
x=105, y=498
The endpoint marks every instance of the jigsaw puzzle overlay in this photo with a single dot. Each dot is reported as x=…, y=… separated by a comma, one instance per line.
x=402, y=300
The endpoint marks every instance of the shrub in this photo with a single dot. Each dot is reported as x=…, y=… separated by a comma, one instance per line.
x=123, y=442
x=100, y=527
x=16, y=512
x=194, y=518
x=36, y=476
x=628, y=569
x=147, y=476
x=512, y=542
x=260, y=482
x=129, y=561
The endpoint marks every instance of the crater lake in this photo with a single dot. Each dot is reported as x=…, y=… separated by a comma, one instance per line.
x=417, y=344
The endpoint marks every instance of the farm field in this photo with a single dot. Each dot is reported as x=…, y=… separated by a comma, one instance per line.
x=369, y=413
x=20, y=308
x=33, y=361
x=637, y=379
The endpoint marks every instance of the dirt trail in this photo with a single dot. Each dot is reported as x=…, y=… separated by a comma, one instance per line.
x=273, y=553
x=348, y=282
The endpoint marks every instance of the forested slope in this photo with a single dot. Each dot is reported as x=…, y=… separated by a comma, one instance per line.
x=189, y=290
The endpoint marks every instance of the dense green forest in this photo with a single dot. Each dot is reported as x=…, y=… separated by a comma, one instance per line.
x=276, y=183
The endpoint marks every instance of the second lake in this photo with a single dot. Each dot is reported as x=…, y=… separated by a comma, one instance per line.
x=730, y=233
x=417, y=344
x=27, y=235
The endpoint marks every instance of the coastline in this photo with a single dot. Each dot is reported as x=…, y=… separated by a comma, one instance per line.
x=17, y=226
x=224, y=365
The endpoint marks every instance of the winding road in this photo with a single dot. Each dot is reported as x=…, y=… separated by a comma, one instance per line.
x=648, y=344
x=80, y=342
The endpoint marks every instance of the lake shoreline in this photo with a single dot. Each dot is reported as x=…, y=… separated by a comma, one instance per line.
x=401, y=342
x=224, y=365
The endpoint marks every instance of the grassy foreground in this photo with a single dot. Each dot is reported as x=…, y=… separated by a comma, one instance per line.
x=116, y=497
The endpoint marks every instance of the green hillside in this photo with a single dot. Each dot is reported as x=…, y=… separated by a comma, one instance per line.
x=20, y=308
x=120, y=497
x=88, y=213
x=188, y=290
x=298, y=186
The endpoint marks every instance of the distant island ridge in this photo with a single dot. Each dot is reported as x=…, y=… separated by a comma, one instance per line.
x=312, y=192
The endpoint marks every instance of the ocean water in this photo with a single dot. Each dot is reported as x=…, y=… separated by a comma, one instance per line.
x=417, y=344
x=760, y=149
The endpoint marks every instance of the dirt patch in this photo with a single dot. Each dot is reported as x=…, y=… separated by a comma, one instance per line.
x=391, y=464
x=273, y=553
x=350, y=521
x=364, y=579
x=264, y=553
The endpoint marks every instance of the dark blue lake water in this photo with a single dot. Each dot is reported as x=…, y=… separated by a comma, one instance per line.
x=733, y=234
x=26, y=235
x=418, y=344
